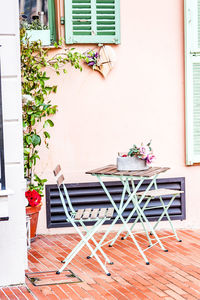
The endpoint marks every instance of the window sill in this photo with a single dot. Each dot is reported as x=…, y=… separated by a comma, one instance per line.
x=4, y=204
x=4, y=219
x=5, y=193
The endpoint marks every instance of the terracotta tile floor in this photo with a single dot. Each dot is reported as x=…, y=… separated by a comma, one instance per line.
x=170, y=275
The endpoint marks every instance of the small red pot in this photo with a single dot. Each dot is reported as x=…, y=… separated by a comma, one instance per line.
x=33, y=213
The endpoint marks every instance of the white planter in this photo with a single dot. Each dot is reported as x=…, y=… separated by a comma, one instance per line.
x=42, y=35
x=131, y=163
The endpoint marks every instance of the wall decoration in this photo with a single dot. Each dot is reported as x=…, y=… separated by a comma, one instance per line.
x=102, y=60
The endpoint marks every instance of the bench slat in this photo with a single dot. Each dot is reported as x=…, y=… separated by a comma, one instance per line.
x=79, y=214
x=102, y=213
x=94, y=213
x=86, y=213
x=110, y=212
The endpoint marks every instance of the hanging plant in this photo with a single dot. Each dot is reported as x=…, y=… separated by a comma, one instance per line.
x=91, y=58
x=102, y=60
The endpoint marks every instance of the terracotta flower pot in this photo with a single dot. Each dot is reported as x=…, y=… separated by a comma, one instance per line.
x=33, y=213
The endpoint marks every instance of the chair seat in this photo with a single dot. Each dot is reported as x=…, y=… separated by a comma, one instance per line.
x=160, y=192
x=90, y=214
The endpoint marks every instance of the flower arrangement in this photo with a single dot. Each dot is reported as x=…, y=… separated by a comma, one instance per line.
x=91, y=58
x=102, y=60
x=33, y=197
x=142, y=152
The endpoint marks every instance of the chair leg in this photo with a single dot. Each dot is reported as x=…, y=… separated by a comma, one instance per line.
x=97, y=246
x=105, y=235
x=83, y=242
x=80, y=245
x=165, y=212
x=150, y=227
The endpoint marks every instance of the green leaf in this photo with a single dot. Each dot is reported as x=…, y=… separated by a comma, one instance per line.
x=54, y=88
x=47, y=135
x=130, y=152
x=28, y=139
x=27, y=151
x=36, y=140
x=32, y=120
x=48, y=88
x=48, y=123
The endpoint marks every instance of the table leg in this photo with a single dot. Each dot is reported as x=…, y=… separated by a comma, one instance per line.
x=134, y=209
x=121, y=217
x=139, y=216
x=136, y=220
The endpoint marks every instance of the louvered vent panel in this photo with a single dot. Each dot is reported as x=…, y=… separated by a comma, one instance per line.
x=196, y=108
x=84, y=195
x=81, y=17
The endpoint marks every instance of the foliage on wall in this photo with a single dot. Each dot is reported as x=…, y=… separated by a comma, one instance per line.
x=36, y=99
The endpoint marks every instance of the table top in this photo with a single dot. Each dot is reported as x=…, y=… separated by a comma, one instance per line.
x=112, y=170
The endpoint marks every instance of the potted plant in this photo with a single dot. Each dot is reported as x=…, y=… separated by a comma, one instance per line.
x=36, y=30
x=138, y=158
x=34, y=110
x=34, y=198
x=37, y=111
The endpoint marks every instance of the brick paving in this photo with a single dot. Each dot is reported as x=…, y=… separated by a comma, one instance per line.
x=170, y=275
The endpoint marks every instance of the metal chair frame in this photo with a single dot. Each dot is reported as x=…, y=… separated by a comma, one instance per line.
x=133, y=196
x=71, y=217
x=174, y=194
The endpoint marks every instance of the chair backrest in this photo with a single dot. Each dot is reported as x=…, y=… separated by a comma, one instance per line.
x=60, y=182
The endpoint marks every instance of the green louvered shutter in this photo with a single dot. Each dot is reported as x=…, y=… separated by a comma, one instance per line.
x=51, y=16
x=192, y=80
x=92, y=21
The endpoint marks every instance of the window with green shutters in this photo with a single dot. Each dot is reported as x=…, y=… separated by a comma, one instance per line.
x=92, y=21
x=192, y=80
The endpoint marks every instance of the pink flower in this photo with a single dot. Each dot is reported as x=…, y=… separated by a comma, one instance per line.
x=144, y=151
x=150, y=158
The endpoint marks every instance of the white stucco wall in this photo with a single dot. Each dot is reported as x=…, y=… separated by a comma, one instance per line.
x=12, y=233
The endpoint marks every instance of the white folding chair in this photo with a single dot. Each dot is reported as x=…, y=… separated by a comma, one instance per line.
x=99, y=216
x=158, y=193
